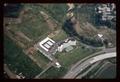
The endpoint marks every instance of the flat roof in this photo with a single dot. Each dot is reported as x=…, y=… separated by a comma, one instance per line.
x=46, y=44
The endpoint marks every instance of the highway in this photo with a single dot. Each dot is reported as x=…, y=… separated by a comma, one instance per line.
x=87, y=71
x=77, y=68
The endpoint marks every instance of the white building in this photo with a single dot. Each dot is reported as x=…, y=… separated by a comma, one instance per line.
x=57, y=65
x=47, y=47
x=67, y=43
x=101, y=37
x=46, y=44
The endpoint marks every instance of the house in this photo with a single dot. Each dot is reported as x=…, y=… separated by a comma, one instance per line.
x=106, y=11
x=66, y=44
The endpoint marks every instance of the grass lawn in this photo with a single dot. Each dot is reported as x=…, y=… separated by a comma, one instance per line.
x=43, y=61
x=88, y=15
x=60, y=36
x=57, y=11
x=66, y=60
x=54, y=73
x=69, y=58
x=17, y=60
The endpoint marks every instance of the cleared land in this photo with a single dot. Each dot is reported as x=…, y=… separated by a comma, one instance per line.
x=17, y=61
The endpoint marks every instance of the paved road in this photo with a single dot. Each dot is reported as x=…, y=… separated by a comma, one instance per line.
x=92, y=55
x=86, y=72
x=76, y=69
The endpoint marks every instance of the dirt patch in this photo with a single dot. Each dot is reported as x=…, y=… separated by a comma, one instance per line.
x=51, y=24
x=70, y=5
x=23, y=36
x=31, y=50
x=85, y=29
x=51, y=35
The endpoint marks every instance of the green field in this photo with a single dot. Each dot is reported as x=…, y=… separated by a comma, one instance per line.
x=43, y=61
x=57, y=11
x=60, y=36
x=33, y=23
x=66, y=60
x=86, y=13
x=34, y=26
x=54, y=73
x=18, y=61
x=69, y=58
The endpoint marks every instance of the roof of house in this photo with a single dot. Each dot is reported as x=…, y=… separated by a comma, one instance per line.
x=66, y=43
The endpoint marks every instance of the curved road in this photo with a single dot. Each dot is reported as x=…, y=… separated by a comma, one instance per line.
x=9, y=73
x=77, y=69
